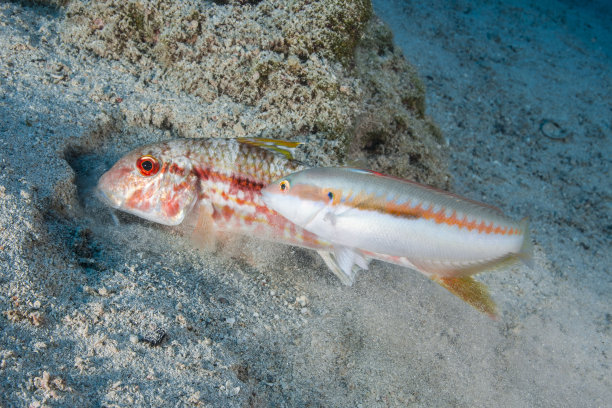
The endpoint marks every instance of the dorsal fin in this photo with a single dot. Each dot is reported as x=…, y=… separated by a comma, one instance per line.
x=284, y=147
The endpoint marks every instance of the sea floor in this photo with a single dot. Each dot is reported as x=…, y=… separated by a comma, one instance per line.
x=132, y=315
x=523, y=93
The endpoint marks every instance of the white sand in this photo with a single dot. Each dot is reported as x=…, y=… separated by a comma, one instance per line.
x=495, y=74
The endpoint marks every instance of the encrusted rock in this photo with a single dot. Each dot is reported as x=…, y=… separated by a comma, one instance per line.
x=326, y=72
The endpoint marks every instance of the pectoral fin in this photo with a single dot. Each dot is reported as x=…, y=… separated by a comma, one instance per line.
x=471, y=291
x=199, y=226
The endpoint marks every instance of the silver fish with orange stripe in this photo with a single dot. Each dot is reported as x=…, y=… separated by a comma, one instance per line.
x=369, y=215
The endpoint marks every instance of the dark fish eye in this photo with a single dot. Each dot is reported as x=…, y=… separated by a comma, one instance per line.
x=148, y=165
x=284, y=185
x=330, y=195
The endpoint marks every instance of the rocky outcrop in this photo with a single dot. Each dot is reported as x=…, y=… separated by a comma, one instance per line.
x=326, y=72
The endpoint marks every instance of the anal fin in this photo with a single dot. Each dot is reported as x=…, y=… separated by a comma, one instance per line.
x=470, y=291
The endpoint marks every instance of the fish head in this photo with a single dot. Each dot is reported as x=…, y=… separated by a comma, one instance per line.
x=154, y=182
x=298, y=198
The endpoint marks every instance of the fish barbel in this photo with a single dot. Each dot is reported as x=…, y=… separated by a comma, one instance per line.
x=218, y=183
x=437, y=233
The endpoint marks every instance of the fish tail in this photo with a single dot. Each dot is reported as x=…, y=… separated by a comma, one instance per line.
x=525, y=254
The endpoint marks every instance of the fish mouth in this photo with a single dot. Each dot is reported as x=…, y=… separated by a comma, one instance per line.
x=106, y=198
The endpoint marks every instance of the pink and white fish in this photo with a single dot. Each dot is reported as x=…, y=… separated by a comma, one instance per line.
x=212, y=184
x=215, y=182
x=363, y=212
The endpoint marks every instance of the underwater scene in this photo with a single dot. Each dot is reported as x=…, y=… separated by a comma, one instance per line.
x=330, y=203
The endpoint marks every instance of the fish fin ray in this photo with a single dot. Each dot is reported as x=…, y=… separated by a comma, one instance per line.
x=199, y=225
x=526, y=252
x=471, y=291
x=284, y=147
x=344, y=263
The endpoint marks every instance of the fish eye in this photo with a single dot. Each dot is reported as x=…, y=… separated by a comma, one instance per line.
x=284, y=185
x=330, y=195
x=148, y=165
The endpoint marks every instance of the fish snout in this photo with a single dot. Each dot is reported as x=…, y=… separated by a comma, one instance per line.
x=269, y=197
x=104, y=191
x=106, y=197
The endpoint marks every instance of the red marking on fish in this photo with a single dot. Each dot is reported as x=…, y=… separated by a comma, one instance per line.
x=226, y=174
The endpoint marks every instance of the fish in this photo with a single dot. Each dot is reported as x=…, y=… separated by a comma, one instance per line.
x=214, y=186
x=217, y=179
x=367, y=214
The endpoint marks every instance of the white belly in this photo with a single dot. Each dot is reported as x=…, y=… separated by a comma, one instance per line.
x=414, y=238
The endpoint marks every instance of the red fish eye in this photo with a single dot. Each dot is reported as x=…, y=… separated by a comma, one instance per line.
x=148, y=165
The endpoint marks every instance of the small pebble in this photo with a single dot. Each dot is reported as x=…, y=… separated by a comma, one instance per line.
x=552, y=130
x=155, y=338
x=133, y=339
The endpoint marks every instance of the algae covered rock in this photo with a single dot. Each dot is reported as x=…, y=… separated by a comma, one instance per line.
x=321, y=71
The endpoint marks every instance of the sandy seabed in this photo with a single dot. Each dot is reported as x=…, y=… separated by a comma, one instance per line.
x=131, y=315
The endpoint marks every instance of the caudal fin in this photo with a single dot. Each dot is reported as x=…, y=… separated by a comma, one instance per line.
x=526, y=252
